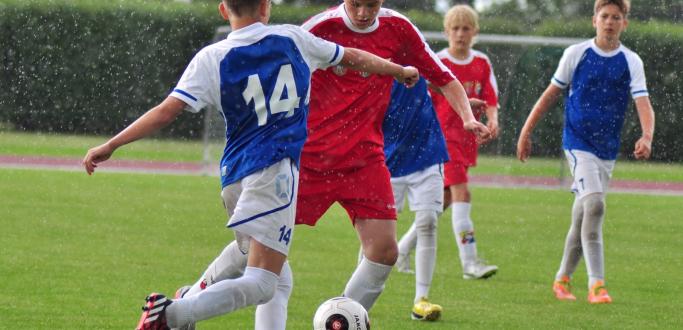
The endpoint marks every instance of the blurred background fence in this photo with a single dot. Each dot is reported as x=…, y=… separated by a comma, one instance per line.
x=91, y=67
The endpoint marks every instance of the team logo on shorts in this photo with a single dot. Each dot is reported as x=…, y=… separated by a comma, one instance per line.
x=282, y=187
x=466, y=237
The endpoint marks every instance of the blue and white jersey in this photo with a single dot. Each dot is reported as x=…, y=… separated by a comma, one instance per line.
x=413, y=139
x=599, y=84
x=259, y=79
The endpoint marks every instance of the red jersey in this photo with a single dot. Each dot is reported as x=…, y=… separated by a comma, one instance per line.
x=476, y=76
x=347, y=107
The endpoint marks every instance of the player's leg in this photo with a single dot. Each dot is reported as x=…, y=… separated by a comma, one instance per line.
x=373, y=213
x=273, y=314
x=463, y=227
x=571, y=255
x=229, y=264
x=378, y=238
x=263, y=219
x=256, y=286
x=591, y=237
x=425, y=197
x=591, y=180
x=447, y=198
x=407, y=242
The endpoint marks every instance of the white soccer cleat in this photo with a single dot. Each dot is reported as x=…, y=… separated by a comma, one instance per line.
x=403, y=264
x=478, y=270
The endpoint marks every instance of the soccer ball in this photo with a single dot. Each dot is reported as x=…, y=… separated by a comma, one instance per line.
x=341, y=313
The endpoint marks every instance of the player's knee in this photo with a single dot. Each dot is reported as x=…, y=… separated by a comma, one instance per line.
x=266, y=291
x=426, y=221
x=594, y=205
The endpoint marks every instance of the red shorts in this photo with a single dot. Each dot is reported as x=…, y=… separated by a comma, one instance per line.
x=454, y=173
x=463, y=155
x=365, y=193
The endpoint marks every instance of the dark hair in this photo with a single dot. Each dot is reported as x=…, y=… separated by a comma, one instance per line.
x=624, y=5
x=241, y=7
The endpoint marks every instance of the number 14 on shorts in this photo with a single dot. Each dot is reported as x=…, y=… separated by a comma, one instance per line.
x=285, y=234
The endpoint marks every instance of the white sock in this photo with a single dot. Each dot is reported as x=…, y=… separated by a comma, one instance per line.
x=229, y=264
x=463, y=228
x=408, y=241
x=572, y=244
x=273, y=314
x=591, y=236
x=256, y=286
x=425, y=253
x=367, y=282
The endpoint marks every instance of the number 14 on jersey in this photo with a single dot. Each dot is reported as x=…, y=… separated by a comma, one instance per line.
x=285, y=81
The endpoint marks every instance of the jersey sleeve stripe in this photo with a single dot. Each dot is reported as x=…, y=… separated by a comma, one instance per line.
x=180, y=91
x=644, y=92
x=559, y=82
x=336, y=54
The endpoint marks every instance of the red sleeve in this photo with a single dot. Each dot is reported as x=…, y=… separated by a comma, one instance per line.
x=416, y=52
x=489, y=91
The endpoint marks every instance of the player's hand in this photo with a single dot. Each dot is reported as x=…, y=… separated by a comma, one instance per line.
x=643, y=148
x=96, y=155
x=477, y=104
x=492, y=125
x=409, y=76
x=479, y=129
x=523, y=147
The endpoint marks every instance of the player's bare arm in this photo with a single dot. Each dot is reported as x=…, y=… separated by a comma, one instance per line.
x=153, y=120
x=457, y=97
x=360, y=60
x=646, y=115
x=492, y=122
x=549, y=97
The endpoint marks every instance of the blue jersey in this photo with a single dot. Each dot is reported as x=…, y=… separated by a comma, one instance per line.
x=413, y=139
x=599, y=85
x=259, y=80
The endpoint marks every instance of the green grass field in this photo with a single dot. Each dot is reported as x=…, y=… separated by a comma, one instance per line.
x=71, y=146
x=81, y=252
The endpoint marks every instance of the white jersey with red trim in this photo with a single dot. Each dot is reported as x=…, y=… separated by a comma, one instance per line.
x=347, y=107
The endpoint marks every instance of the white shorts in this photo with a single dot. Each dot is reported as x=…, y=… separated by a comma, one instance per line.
x=262, y=206
x=591, y=174
x=424, y=189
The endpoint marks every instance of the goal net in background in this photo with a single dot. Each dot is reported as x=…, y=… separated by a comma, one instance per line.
x=523, y=66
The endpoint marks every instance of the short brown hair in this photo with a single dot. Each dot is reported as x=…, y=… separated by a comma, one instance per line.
x=241, y=7
x=624, y=5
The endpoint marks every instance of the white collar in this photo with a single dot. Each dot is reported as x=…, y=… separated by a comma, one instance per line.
x=245, y=31
x=468, y=60
x=349, y=24
x=604, y=53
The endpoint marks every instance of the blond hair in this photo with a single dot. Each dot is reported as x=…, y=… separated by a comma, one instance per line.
x=461, y=14
x=624, y=5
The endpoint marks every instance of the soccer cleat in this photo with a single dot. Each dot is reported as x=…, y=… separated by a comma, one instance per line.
x=423, y=310
x=562, y=289
x=403, y=264
x=478, y=270
x=180, y=293
x=598, y=294
x=154, y=313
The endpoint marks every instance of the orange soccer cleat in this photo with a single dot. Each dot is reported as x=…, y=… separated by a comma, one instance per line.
x=598, y=294
x=562, y=289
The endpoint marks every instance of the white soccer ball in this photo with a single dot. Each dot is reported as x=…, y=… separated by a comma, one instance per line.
x=341, y=313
